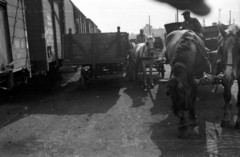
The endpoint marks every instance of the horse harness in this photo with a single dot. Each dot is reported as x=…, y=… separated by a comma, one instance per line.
x=200, y=48
x=148, y=57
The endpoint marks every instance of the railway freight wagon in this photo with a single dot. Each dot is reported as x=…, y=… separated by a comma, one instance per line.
x=14, y=54
x=99, y=55
x=44, y=36
x=80, y=21
x=91, y=26
x=66, y=12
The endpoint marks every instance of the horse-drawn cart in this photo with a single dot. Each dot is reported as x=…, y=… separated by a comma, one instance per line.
x=99, y=55
x=160, y=58
x=210, y=34
x=191, y=67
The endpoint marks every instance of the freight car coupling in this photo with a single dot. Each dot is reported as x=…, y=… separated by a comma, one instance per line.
x=211, y=80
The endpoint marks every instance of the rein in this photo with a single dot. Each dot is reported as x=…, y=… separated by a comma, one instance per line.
x=207, y=79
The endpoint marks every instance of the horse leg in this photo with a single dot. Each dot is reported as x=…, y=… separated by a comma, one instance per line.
x=237, y=126
x=182, y=128
x=227, y=98
x=141, y=71
x=131, y=70
x=135, y=73
x=238, y=96
x=151, y=77
x=192, y=114
x=143, y=66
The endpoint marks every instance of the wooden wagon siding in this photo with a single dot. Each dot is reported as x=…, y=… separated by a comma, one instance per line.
x=81, y=24
x=95, y=48
x=91, y=26
x=18, y=37
x=58, y=31
x=15, y=34
x=41, y=35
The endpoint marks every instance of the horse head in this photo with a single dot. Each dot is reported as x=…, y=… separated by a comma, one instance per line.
x=150, y=47
x=182, y=89
x=229, y=49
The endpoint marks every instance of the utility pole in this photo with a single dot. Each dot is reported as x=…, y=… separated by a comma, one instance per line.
x=177, y=15
x=230, y=17
x=204, y=22
x=219, y=15
x=149, y=26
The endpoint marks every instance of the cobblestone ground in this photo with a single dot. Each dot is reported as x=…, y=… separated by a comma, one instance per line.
x=111, y=121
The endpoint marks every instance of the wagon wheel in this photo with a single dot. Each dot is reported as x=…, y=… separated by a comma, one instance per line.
x=83, y=81
x=162, y=70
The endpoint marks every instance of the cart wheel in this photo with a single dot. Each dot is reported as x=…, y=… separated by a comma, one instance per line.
x=83, y=81
x=162, y=70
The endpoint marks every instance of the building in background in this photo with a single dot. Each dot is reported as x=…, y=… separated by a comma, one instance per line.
x=156, y=32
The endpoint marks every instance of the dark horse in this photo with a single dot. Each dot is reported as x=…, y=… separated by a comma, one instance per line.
x=229, y=52
x=187, y=56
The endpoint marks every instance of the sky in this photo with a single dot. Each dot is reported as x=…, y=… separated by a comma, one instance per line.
x=132, y=15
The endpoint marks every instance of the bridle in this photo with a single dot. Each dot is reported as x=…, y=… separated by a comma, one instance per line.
x=149, y=50
x=222, y=42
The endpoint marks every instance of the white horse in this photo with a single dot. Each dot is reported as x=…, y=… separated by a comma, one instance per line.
x=144, y=53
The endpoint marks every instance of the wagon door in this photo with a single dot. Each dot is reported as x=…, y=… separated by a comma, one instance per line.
x=58, y=30
x=69, y=16
x=5, y=54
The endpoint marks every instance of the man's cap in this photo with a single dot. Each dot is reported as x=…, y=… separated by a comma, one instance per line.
x=186, y=12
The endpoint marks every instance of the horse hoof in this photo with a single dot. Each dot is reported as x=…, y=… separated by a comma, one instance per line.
x=182, y=132
x=237, y=126
x=193, y=121
x=225, y=124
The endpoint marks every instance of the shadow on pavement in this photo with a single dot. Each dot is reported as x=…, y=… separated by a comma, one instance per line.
x=138, y=98
x=67, y=100
x=206, y=139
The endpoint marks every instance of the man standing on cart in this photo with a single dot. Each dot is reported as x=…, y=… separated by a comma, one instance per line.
x=141, y=38
x=193, y=24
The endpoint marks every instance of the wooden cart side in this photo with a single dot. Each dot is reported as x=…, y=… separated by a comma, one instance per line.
x=98, y=47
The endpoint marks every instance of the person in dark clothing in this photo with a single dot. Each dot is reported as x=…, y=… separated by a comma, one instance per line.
x=141, y=38
x=192, y=24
